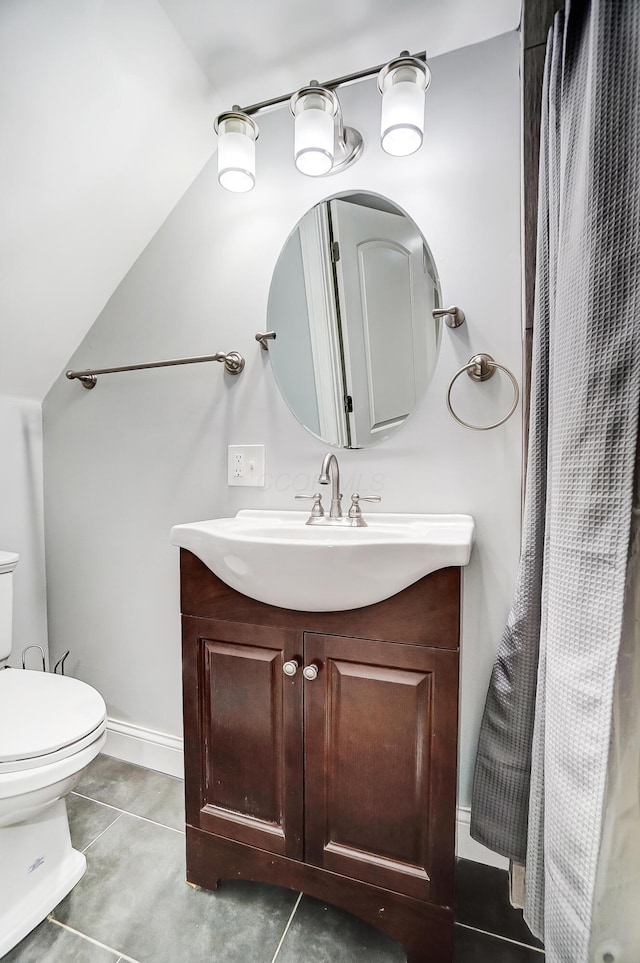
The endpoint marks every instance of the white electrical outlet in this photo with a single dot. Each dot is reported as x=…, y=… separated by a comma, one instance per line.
x=246, y=465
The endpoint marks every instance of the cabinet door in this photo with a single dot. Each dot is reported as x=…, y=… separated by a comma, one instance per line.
x=243, y=733
x=380, y=753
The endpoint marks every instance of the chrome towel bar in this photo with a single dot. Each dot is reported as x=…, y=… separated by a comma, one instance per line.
x=233, y=362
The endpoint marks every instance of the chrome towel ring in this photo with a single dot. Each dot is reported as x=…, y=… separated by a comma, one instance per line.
x=480, y=368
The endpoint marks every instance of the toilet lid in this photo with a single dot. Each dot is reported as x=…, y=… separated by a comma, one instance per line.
x=41, y=713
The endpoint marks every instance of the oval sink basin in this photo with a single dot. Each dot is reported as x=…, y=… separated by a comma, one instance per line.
x=274, y=557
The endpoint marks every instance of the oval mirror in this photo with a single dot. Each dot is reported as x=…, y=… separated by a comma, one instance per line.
x=351, y=303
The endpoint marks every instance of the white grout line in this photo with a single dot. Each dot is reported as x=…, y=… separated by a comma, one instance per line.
x=286, y=929
x=119, y=956
x=123, y=957
x=97, y=801
x=496, y=936
x=125, y=812
x=103, y=832
x=154, y=822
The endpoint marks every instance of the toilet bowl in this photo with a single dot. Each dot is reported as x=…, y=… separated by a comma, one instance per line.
x=51, y=727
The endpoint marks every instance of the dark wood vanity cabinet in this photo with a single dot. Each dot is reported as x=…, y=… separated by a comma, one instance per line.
x=343, y=785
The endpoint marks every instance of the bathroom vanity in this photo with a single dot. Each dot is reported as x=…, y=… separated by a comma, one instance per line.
x=320, y=750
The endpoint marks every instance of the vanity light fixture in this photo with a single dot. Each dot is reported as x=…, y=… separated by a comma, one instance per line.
x=403, y=84
x=237, y=136
x=322, y=143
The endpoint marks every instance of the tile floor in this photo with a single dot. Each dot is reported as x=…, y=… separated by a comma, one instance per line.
x=133, y=904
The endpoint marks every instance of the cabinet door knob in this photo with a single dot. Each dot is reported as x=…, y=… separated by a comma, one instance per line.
x=290, y=668
x=310, y=672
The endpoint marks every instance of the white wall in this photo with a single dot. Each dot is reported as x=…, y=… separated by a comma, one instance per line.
x=146, y=450
x=105, y=121
x=21, y=523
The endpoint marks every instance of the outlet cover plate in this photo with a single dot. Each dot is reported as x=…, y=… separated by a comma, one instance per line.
x=245, y=466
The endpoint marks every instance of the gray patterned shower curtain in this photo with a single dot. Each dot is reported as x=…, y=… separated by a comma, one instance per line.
x=543, y=787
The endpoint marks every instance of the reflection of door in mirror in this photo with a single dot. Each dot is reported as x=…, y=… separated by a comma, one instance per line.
x=385, y=296
x=308, y=351
x=324, y=326
x=351, y=302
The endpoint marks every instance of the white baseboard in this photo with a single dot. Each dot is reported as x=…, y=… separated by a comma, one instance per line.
x=164, y=753
x=145, y=747
x=468, y=848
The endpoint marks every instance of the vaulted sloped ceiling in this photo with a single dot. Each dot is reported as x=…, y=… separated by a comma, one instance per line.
x=106, y=109
x=104, y=123
x=252, y=50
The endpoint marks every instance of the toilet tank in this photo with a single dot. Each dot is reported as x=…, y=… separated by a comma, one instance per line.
x=8, y=561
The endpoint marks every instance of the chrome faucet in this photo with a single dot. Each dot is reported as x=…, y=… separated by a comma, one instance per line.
x=330, y=473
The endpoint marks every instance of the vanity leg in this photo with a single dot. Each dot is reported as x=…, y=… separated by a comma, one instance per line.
x=198, y=886
x=202, y=873
x=426, y=952
x=424, y=943
x=423, y=929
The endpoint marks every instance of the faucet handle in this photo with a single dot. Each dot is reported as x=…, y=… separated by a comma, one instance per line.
x=354, y=511
x=317, y=511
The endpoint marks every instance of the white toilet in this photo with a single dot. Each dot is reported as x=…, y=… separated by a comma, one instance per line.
x=51, y=727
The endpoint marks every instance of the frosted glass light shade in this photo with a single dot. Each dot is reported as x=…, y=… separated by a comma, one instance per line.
x=403, y=87
x=237, y=135
x=314, y=110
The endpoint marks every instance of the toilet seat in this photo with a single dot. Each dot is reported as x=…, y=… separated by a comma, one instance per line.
x=45, y=717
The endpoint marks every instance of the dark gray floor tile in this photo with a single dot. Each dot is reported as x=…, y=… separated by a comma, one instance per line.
x=482, y=901
x=134, y=897
x=140, y=791
x=472, y=947
x=49, y=943
x=326, y=934
x=87, y=819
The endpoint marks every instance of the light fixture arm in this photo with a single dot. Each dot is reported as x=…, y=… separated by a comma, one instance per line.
x=345, y=81
x=348, y=144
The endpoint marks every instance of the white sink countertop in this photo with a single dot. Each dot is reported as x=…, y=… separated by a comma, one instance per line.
x=274, y=557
